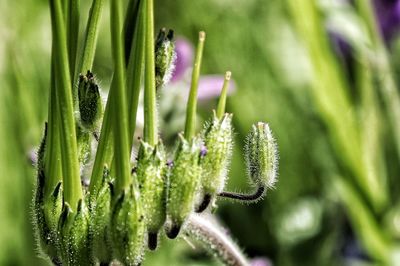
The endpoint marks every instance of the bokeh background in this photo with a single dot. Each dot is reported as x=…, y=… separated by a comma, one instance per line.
x=323, y=73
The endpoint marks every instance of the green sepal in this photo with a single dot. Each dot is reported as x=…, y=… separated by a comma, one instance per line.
x=184, y=181
x=74, y=228
x=218, y=141
x=100, y=206
x=128, y=227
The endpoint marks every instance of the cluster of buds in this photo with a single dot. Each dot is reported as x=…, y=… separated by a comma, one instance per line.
x=126, y=205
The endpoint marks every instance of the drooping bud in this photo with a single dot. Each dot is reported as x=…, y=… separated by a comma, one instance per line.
x=261, y=156
x=100, y=220
x=165, y=57
x=151, y=172
x=89, y=99
x=128, y=228
x=74, y=228
x=219, y=141
x=183, y=183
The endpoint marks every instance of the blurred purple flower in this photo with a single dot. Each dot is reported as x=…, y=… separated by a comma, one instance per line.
x=184, y=58
x=260, y=261
x=388, y=15
x=210, y=86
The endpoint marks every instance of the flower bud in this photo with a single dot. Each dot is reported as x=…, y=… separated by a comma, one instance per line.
x=89, y=99
x=261, y=156
x=219, y=141
x=183, y=183
x=128, y=227
x=74, y=228
x=151, y=172
x=99, y=221
x=165, y=57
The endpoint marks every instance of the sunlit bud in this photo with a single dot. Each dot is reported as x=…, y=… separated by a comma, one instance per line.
x=151, y=173
x=261, y=156
x=128, y=228
x=183, y=183
x=165, y=57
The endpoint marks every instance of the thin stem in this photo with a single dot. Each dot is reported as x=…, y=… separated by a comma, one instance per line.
x=53, y=151
x=135, y=69
x=120, y=104
x=70, y=166
x=255, y=196
x=150, y=109
x=130, y=26
x=73, y=34
x=222, y=98
x=213, y=239
x=92, y=30
x=190, y=125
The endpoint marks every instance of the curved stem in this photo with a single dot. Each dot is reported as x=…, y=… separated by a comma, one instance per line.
x=190, y=125
x=258, y=194
x=213, y=239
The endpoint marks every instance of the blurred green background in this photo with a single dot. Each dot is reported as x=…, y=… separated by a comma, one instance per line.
x=333, y=113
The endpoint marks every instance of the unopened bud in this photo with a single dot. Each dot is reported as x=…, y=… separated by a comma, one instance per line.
x=89, y=99
x=128, y=228
x=151, y=173
x=74, y=228
x=165, y=57
x=183, y=183
x=261, y=156
x=219, y=141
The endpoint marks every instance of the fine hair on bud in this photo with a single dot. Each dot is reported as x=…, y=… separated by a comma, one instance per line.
x=165, y=57
x=261, y=156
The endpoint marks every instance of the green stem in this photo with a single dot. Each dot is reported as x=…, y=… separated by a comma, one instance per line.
x=190, y=125
x=73, y=34
x=130, y=25
x=135, y=69
x=150, y=110
x=53, y=150
x=222, y=98
x=120, y=104
x=92, y=30
x=70, y=166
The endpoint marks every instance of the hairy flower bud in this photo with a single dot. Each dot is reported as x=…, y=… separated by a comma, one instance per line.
x=74, y=228
x=99, y=221
x=165, y=57
x=128, y=227
x=219, y=141
x=183, y=183
x=89, y=99
x=261, y=156
x=151, y=172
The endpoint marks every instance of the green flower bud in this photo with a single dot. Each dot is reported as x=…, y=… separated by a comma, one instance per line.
x=261, y=156
x=183, y=183
x=128, y=228
x=100, y=220
x=218, y=141
x=151, y=172
x=165, y=57
x=89, y=99
x=74, y=228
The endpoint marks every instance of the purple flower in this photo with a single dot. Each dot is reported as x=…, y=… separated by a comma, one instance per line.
x=210, y=86
x=388, y=16
x=184, y=58
x=260, y=261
